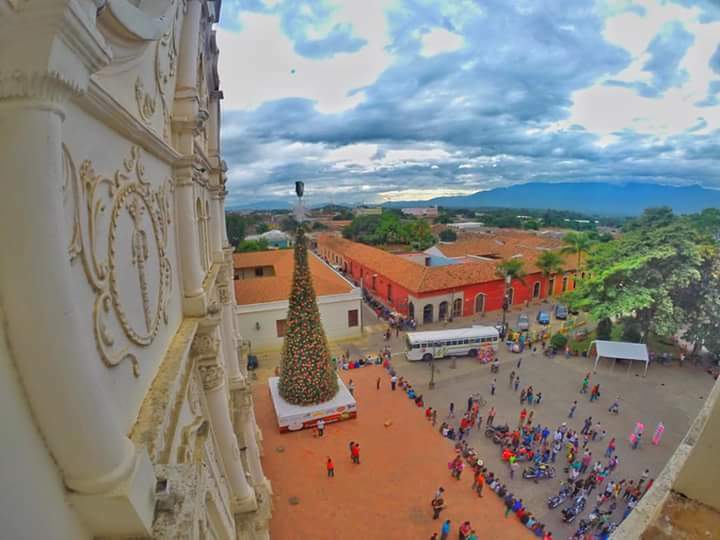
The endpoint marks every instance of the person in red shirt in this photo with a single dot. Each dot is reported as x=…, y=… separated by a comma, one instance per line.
x=480, y=482
x=356, y=454
x=330, y=468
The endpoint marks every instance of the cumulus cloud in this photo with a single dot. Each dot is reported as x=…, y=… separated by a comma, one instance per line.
x=397, y=99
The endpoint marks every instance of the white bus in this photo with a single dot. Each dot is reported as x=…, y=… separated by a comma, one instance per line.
x=455, y=342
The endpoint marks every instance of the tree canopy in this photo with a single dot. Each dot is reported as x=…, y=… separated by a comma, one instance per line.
x=656, y=275
x=448, y=235
x=515, y=268
x=389, y=228
x=577, y=243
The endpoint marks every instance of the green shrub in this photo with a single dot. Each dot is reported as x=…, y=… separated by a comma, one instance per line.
x=558, y=341
x=632, y=332
x=604, y=329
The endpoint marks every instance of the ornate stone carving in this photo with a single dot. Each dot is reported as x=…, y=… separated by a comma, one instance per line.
x=212, y=376
x=145, y=102
x=104, y=209
x=53, y=87
x=205, y=347
x=223, y=293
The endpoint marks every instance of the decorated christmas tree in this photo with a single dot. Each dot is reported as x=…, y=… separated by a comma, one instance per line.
x=307, y=376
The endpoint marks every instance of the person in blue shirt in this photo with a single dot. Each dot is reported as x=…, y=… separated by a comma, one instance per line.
x=445, y=530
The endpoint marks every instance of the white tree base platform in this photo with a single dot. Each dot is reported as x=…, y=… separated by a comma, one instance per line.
x=297, y=417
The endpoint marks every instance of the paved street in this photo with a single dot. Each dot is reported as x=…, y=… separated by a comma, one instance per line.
x=669, y=394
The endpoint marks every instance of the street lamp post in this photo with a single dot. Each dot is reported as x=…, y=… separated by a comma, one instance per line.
x=506, y=302
x=432, y=373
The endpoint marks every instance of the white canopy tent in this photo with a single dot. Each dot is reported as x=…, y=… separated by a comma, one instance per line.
x=619, y=349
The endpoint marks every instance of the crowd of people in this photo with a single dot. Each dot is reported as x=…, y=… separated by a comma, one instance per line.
x=540, y=445
x=531, y=442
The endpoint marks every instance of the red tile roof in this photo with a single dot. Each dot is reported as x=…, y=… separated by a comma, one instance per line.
x=419, y=278
x=413, y=276
x=259, y=290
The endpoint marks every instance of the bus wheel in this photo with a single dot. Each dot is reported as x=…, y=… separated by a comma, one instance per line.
x=427, y=357
x=473, y=352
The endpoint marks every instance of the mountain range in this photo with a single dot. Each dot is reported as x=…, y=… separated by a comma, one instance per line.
x=595, y=198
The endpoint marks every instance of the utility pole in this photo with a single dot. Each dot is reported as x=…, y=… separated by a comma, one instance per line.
x=432, y=373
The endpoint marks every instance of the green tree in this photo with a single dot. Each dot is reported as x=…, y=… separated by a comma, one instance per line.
x=236, y=225
x=514, y=268
x=703, y=309
x=252, y=245
x=549, y=263
x=577, y=243
x=448, y=235
x=317, y=226
x=307, y=376
x=645, y=275
x=604, y=329
x=261, y=227
x=558, y=341
x=443, y=218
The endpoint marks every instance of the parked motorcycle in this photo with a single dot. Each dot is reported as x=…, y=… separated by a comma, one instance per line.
x=492, y=431
x=539, y=472
x=571, y=512
x=561, y=497
x=583, y=527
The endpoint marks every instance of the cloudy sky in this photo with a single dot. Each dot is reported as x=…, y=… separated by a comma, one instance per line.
x=377, y=100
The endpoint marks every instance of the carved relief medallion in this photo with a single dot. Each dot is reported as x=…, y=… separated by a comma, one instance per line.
x=120, y=234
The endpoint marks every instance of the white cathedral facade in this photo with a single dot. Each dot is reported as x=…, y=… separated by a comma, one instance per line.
x=126, y=411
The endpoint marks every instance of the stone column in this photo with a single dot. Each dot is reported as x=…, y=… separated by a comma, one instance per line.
x=189, y=47
x=245, y=423
x=49, y=52
x=194, y=303
x=217, y=223
x=208, y=354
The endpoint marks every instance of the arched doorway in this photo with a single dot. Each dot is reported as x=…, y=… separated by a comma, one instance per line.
x=480, y=303
x=564, y=283
x=442, y=311
x=457, y=308
x=536, y=289
x=411, y=310
x=551, y=287
x=428, y=313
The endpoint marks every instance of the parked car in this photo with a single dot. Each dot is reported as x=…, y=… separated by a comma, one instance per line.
x=561, y=311
x=543, y=317
x=523, y=322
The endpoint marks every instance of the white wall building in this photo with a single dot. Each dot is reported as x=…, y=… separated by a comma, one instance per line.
x=126, y=411
x=422, y=211
x=263, y=282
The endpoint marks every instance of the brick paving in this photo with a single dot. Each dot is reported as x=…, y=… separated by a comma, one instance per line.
x=388, y=495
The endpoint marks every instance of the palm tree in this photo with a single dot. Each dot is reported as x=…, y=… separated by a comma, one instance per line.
x=508, y=270
x=578, y=243
x=549, y=263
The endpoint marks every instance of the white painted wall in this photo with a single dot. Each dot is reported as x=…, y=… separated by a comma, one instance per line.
x=33, y=503
x=435, y=301
x=333, y=313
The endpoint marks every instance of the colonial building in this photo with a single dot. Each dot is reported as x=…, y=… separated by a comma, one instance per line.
x=449, y=280
x=126, y=409
x=263, y=281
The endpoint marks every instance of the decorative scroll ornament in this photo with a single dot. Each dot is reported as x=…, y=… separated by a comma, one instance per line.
x=205, y=347
x=120, y=234
x=145, y=102
x=212, y=376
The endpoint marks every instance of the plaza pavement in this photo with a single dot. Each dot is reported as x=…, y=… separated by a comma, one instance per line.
x=388, y=495
x=669, y=394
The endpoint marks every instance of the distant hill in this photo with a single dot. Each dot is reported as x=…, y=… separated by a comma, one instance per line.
x=628, y=199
